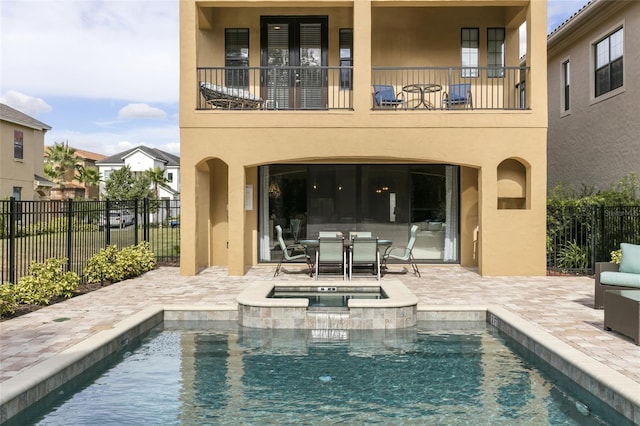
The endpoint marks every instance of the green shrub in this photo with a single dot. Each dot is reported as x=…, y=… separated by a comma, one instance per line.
x=46, y=281
x=572, y=256
x=616, y=256
x=8, y=301
x=103, y=266
x=113, y=265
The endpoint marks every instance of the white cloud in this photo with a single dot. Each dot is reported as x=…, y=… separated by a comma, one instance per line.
x=97, y=49
x=141, y=111
x=24, y=103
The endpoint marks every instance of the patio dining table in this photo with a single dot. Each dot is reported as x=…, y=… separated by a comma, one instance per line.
x=422, y=90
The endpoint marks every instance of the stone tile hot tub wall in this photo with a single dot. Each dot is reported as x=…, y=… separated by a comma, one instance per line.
x=399, y=310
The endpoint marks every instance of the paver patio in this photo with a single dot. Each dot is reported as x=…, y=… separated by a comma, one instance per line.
x=560, y=305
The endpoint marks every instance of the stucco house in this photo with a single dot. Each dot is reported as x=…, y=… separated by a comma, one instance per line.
x=141, y=159
x=364, y=115
x=594, y=93
x=21, y=156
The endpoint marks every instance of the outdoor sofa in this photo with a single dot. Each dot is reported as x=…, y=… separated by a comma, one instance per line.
x=611, y=276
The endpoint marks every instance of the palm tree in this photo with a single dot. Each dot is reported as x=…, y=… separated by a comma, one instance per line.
x=158, y=179
x=89, y=176
x=60, y=164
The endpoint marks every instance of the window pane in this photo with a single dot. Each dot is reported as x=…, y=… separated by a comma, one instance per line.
x=237, y=56
x=616, y=74
x=346, y=57
x=18, y=147
x=616, y=44
x=602, y=53
x=495, y=51
x=469, y=51
x=602, y=81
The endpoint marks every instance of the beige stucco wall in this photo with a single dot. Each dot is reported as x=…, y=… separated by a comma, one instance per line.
x=220, y=150
x=596, y=142
x=19, y=173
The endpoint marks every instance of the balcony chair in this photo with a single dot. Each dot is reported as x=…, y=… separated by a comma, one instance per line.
x=331, y=253
x=458, y=94
x=291, y=257
x=407, y=254
x=364, y=252
x=384, y=96
x=229, y=97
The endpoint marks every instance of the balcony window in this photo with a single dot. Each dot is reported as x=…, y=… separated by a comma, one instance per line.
x=236, y=49
x=609, y=53
x=495, y=52
x=469, y=51
x=18, y=148
x=346, y=58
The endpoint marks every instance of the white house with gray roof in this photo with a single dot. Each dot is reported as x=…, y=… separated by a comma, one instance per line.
x=140, y=159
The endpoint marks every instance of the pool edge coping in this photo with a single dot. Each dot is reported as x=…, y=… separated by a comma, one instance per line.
x=15, y=391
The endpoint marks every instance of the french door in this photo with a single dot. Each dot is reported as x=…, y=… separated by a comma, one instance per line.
x=293, y=54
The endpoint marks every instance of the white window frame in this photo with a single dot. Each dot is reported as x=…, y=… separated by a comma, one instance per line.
x=563, y=109
x=592, y=63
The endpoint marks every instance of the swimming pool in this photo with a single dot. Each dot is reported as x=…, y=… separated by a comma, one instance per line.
x=469, y=374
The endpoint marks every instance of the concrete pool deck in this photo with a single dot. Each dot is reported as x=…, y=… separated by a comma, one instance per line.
x=561, y=306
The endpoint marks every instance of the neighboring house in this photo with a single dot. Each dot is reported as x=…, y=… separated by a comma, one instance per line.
x=594, y=96
x=141, y=159
x=73, y=188
x=21, y=156
x=364, y=115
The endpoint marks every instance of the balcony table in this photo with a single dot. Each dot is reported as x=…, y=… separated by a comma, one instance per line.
x=421, y=90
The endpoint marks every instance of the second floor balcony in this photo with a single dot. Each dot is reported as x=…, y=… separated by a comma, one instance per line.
x=424, y=89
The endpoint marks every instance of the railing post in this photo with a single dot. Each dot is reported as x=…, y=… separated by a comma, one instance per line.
x=13, y=217
x=107, y=223
x=69, y=231
x=145, y=220
x=135, y=221
x=602, y=234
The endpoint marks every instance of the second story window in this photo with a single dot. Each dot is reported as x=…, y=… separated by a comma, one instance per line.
x=18, y=145
x=495, y=52
x=469, y=43
x=346, y=58
x=609, y=53
x=236, y=57
x=566, y=99
x=170, y=177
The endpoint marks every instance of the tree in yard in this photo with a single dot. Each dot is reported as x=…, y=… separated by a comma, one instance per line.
x=61, y=163
x=123, y=184
x=90, y=176
x=158, y=179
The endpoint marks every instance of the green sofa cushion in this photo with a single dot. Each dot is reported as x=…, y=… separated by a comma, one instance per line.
x=630, y=260
x=623, y=279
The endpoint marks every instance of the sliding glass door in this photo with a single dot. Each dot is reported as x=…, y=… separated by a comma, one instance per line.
x=383, y=199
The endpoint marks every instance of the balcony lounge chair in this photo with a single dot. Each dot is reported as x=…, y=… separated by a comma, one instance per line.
x=229, y=97
x=407, y=254
x=286, y=256
x=331, y=253
x=384, y=96
x=458, y=94
x=364, y=252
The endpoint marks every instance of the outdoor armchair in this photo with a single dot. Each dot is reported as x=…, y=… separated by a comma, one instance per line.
x=290, y=257
x=404, y=254
x=331, y=253
x=364, y=252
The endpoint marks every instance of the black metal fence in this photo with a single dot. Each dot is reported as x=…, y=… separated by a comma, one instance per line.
x=78, y=229
x=580, y=236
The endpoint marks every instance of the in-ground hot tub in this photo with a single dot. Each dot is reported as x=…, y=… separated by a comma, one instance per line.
x=367, y=305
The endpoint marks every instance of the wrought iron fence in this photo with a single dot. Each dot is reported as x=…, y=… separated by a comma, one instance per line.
x=580, y=236
x=78, y=229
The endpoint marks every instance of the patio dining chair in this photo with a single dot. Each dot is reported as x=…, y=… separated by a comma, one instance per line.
x=404, y=254
x=364, y=252
x=458, y=94
x=290, y=257
x=331, y=253
x=359, y=234
x=384, y=96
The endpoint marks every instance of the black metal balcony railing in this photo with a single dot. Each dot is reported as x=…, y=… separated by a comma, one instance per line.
x=397, y=88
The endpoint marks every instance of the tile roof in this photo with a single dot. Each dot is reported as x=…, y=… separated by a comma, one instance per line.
x=14, y=116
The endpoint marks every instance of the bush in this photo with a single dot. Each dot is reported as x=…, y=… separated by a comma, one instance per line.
x=8, y=301
x=46, y=281
x=616, y=256
x=103, y=267
x=113, y=265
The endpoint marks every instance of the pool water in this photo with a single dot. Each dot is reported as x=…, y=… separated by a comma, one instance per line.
x=327, y=297
x=252, y=376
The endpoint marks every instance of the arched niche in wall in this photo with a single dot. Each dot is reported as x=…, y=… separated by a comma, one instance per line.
x=512, y=185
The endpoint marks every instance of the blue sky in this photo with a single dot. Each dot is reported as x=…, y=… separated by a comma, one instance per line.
x=104, y=73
